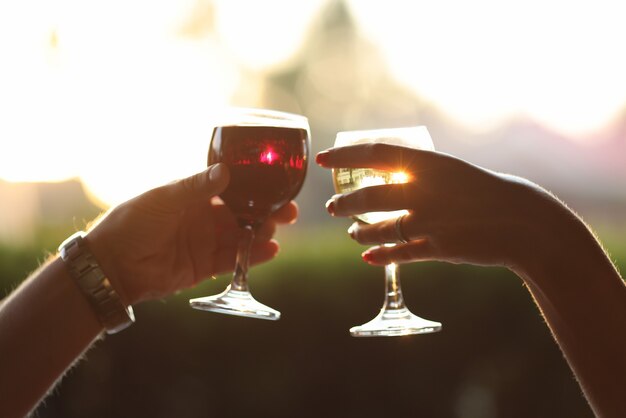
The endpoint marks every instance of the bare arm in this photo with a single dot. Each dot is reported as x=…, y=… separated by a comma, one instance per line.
x=45, y=325
x=164, y=240
x=583, y=299
x=461, y=213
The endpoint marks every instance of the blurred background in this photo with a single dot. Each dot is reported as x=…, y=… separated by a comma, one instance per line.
x=100, y=100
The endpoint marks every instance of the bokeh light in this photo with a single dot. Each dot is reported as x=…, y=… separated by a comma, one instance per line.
x=121, y=93
x=558, y=62
x=113, y=97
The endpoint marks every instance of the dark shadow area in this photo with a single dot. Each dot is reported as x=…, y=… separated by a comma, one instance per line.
x=494, y=357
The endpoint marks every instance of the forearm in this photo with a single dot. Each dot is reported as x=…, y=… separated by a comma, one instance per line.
x=45, y=325
x=583, y=300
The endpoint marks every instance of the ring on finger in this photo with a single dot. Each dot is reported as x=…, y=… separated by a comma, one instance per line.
x=401, y=237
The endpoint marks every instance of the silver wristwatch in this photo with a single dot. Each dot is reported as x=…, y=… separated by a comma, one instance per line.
x=85, y=270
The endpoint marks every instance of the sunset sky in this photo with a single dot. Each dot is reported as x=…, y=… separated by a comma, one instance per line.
x=77, y=75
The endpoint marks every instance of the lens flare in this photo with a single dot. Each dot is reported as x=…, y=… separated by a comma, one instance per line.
x=269, y=156
x=399, y=177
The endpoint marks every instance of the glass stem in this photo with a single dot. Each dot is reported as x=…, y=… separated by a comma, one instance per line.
x=240, y=277
x=393, y=291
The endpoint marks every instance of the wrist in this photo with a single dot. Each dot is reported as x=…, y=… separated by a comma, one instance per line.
x=554, y=242
x=105, y=246
x=97, y=288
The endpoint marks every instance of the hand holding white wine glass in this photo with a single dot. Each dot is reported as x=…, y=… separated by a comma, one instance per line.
x=394, y=318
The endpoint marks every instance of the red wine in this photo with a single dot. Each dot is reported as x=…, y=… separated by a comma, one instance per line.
x=267, y=167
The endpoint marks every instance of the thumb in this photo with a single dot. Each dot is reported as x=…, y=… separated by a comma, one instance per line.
x=204, y=185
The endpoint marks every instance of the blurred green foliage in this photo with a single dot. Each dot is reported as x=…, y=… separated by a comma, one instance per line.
x=494, y=357
x=18, y=261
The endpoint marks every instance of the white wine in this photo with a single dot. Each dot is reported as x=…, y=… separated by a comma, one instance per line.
x=394, y=318
x=349, y=179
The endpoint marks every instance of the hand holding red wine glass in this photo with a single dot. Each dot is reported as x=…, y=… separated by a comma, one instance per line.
x=266, y=152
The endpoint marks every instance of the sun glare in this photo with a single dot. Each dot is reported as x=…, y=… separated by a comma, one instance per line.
x=558, y=62
x=399, y=177
x=112, y=93
x=106, y=92
x=264, y=34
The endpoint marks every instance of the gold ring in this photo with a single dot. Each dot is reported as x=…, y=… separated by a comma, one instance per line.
x=399, y=233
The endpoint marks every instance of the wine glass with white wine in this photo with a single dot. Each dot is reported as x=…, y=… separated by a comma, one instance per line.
x=394, y=318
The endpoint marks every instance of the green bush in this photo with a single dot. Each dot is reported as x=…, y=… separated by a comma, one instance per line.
x=494, y=356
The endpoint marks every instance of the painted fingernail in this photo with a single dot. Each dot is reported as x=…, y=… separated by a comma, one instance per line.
x=367, y=256
x=352, y=230
x=322, y=157
x=330, y=206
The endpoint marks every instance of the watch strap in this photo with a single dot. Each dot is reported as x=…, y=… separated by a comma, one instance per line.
x=86, y=272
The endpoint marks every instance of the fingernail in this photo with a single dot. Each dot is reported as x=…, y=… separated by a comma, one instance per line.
x=352, y=230
x=367, y=256
x=217, y=171
x=330, y=206
x=322, y=157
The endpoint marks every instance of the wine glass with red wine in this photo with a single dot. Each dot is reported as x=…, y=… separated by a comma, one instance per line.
x=266, y=152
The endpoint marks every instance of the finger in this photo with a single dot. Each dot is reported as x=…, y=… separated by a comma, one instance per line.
x=263, y=251
x=397, y=230
x=379, y=156
x=287, y=214
x=386, y=197
x=418, y=250
x=259, y=253
x=217, y=220
x=181, y=193
x=265, y=232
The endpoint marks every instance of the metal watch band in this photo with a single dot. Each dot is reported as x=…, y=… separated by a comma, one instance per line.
x=85, y=270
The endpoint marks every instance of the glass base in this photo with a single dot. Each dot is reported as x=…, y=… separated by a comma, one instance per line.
x=393, y=323
x=235, y=302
